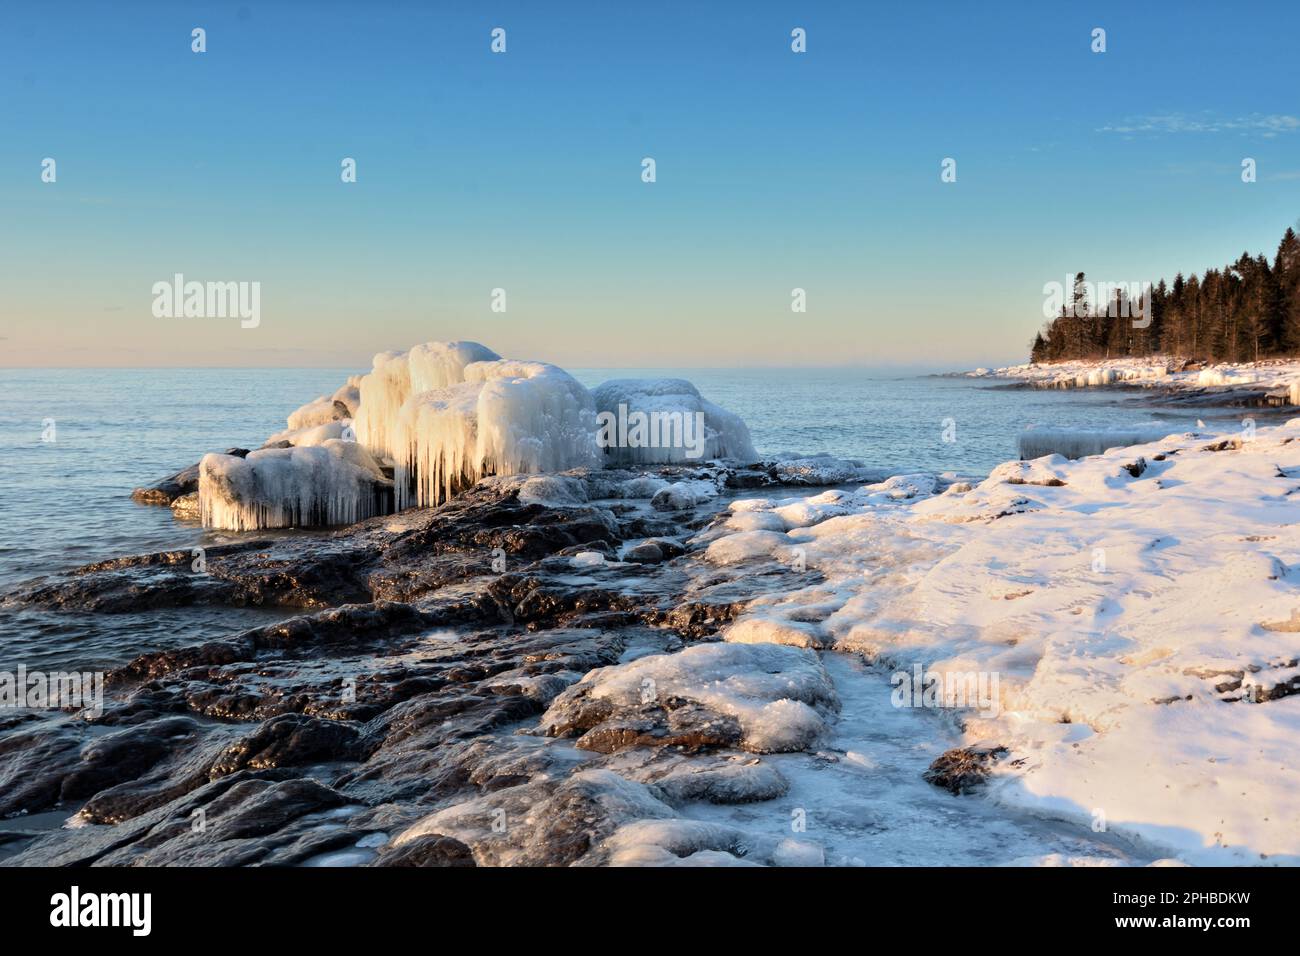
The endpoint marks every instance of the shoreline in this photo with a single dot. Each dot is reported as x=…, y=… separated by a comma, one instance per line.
x=1268, y=384
x=423, y=689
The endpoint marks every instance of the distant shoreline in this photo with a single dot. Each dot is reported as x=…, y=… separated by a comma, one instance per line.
x=1271, y=384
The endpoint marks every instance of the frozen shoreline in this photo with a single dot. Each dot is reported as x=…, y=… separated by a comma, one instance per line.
x=1138, y=607
x=1166, y=380
x=1132, y=614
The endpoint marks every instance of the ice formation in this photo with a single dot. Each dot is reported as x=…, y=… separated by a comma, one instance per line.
x=314, y=434
x=1073, y=442
x=334, y=483
x=653, y=421
x=396, y=376
x=444, y=415
x=327, y=408
x=505, y=418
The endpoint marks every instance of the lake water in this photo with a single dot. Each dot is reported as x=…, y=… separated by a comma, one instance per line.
x=66, y=502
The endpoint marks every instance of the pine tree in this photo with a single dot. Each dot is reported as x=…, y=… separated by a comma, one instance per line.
x=1038, y=350
x=1245, y=311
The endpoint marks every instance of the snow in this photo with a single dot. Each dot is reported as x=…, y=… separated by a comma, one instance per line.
x=1126, y=602
x=1279, y=376
x=314, y=434
x=336, y=482
x=1079, y=442
x=671, y=410
x=327, y=408
x=506, y=418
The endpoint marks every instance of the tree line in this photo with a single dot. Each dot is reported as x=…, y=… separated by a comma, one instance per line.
x=1246, y=311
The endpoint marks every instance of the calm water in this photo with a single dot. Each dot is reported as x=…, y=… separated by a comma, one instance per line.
x=67, y=502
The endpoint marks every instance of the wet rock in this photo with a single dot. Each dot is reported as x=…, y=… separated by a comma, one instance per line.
x=290, y=740
x=963, y=769
x=401, y=692
x=648, y=552
x=542, y=823
x=184, y=482
x=57, y=761
x=186, y=507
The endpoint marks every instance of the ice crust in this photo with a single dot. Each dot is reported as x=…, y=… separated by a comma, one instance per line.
x=1080, y=442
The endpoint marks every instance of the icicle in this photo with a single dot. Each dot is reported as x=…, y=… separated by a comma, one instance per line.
x=382, y=393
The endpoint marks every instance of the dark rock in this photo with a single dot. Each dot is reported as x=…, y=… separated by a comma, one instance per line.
x=963, y=769
x=185, y=481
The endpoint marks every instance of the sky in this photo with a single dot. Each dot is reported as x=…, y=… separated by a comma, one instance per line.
x=522, y=171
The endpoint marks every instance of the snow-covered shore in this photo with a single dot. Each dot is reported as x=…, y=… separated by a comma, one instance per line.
x=1138, y=609
x=1270, y=382
x=1108, y=648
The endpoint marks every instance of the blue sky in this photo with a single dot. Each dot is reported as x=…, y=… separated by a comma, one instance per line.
x=521, y=171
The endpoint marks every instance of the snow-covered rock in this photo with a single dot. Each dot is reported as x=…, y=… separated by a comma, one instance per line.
x=327, y=408
x=656, y=421
x=1079, y=442
x=763, y=698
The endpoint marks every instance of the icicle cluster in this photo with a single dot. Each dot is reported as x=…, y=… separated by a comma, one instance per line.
x=396, y=376
x=507, y=417
x=334, y=483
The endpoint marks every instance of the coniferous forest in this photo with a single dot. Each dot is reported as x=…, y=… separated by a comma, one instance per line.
x=1246, y=311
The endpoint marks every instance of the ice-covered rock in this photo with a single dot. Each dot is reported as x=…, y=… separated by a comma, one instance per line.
x=328, y=408
x=334, y=483
x=665, y=420
x=764, y=698
x=1079, y=442
x=506, y=418
x=396, y=376
x=314, y=434
x=821, y=470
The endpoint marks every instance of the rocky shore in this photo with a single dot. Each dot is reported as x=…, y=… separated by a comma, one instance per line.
x=438, y=652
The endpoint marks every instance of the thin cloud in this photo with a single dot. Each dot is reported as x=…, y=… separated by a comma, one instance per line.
x=1266, y=124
